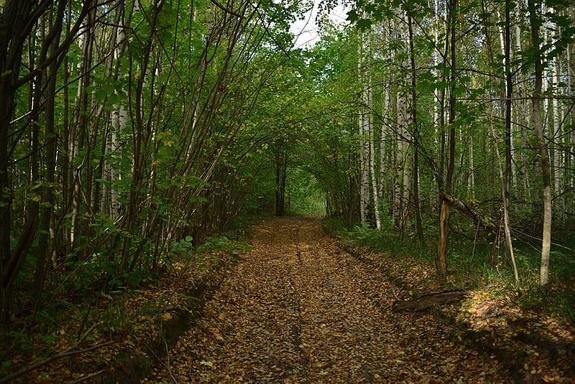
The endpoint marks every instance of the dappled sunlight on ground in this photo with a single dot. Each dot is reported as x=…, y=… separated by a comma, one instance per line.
x=299, y=309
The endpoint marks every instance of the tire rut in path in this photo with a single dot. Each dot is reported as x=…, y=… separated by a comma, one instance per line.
x=299, y=310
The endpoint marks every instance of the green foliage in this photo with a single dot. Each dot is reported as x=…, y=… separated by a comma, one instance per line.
x=182, y=246
x=538, y=298
x=222, y=243
x=167, y=134
x=387, y=241
x=115, y=320
x=304, y=194
x=474, y=265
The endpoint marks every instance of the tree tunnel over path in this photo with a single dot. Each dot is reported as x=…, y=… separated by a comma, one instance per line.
x=140, y=140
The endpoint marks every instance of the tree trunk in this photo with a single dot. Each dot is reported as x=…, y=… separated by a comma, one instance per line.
x=537, y=124
x=371, y=139
x=506, y=176
x=281, y=173
x=46, y=213
x=557, y=134
x=13, y=19
x=506, y=226
x=415, y=134
x=444, y=213
x=363, y=142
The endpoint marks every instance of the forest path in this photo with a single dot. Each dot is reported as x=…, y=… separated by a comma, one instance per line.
x=299, y=309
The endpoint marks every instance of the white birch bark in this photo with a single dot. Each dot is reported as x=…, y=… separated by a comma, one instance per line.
x=539, y=128
x=557, y=174
x=371, y=136
x=404, y=183
x=363, y=143
x=471, y=169
x=385, y=115
x=521, y=111
x=119, y=121
x=382, y=140
x=506, y=225
x=435, y=64
x=569, y=91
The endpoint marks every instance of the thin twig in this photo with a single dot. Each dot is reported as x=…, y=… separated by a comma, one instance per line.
x=66, y=353
x=538, y=238
x=90, y=376
x=223, y=8
x=168, y=365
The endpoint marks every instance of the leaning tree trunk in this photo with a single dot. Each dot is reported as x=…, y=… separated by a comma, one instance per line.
x=506, y=176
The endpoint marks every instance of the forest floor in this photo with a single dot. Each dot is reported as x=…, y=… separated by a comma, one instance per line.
x=299, y=308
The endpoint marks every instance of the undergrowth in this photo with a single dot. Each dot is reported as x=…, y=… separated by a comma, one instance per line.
x=479, y=263
x=84, y=297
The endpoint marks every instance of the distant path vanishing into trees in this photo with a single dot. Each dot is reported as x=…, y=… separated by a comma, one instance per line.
x=299, y=309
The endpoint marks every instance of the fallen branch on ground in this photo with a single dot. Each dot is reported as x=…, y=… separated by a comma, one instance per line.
x=66, y=353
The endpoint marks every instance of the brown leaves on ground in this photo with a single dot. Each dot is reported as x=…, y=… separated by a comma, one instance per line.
x=299, y=309
x=533, y=347
x=133, y=322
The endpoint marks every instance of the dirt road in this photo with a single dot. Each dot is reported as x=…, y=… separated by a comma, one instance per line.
x=297, y=309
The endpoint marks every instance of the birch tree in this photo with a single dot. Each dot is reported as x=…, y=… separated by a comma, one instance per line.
x=537, y=124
